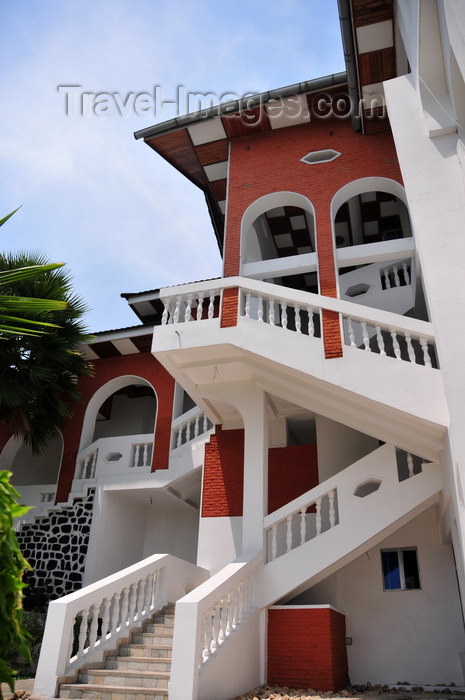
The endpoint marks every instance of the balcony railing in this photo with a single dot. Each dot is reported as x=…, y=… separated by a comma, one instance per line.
x=368, y=329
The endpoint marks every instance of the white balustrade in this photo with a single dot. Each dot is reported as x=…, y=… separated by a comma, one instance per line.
x=302, y=524
x=189, y=307
x=368, y=329
x=142, y=455
x=85, y=467
x=207, y=617
x=195, y=424
x=396, y=275
x=83, y=624
x=114, y=455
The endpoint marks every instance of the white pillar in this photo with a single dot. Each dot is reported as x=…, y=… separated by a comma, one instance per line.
x=255, y=500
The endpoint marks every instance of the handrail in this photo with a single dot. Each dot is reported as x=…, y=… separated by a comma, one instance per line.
x=365, y=328
x=106, y=611
x=206, y=617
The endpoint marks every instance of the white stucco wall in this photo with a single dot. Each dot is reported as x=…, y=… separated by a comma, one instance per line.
x=172, y=531
x=219, y=542
x=412, y=636
x=339, y=446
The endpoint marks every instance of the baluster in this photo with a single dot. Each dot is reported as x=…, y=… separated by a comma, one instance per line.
x=387, y=281
x=410, y=465
x=94, y=463
x=94, y=625
x=380, y=341
x=166, y=311
x=136, y=455
x=196, y=426
x=141, y=597
x=242, y=603
x=211, y=305
x=271, y=312
x=115, y=613
x=410, y=350
x=84, y=470
x=200, y=306
x=288, y=533
x=156, y=588
x=311, y=327
x=332, y=510
x=216, y=627
x=350, y=332
x=124, y=607
x=148, y=596
x=298, y=323
x=177, y=309
x=230, y=615
x=187, y=314
x=396, y=276
x=145, y=455
x=223, y=612
x=208, y=635
x=106, y=617
x=283, y=314
x=395, y=343
x=188, y=430
x=366, y=339
x=203, y=657
x=247, y=305
x=83, y=632
x=260, y=308
x=303, y=525
x=318, y=516
x=179, y=438
x=426, y=356
x=133, y=602
x=406, y=273
x=274, y=541
x=205, y=423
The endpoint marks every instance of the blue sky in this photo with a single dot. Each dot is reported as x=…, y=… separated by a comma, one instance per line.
x=120, y=217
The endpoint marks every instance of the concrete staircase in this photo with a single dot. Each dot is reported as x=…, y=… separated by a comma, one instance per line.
x=136, y=670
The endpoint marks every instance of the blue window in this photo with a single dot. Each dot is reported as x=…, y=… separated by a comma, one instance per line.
x=400, y=569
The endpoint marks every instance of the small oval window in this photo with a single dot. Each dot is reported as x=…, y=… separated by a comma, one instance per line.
x=113, y=457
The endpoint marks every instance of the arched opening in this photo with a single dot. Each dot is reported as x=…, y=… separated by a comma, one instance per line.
x=371, y=217
x=34, y=476
x=278, y=241
x=126, y=405
x=130, y=410
x=374, y=247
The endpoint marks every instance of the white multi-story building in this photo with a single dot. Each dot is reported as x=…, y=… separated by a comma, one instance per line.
x=281, y=451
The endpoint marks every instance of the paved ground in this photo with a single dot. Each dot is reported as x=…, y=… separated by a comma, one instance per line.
x=24, y=689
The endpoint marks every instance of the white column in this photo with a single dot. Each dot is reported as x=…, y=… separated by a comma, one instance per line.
x=254, y=414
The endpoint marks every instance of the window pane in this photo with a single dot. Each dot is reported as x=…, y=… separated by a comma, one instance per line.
x=391, y=572
x=412, y=579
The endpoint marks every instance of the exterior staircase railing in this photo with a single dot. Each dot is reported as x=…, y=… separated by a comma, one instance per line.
x=371, y=330
x=206, y=618
x=83, y=624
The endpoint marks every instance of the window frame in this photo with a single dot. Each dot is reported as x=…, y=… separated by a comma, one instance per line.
x=400, y=560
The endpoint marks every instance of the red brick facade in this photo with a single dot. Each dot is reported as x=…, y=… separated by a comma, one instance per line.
x=306, y=648
x=229, y=307
x=271, y=162
x=291, y=471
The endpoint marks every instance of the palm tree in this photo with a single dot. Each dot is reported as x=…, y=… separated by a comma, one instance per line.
x=39, y=361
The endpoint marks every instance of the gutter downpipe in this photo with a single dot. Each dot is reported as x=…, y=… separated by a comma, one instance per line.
x=345, y=19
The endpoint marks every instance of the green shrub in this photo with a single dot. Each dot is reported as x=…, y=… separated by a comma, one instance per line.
x=13, y=637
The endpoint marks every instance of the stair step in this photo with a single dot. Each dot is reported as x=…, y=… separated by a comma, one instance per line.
x=159, y=628
x=108, y=692
x=155, y=651
x=152, y=638
x=117, y=677
x=138, y=663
